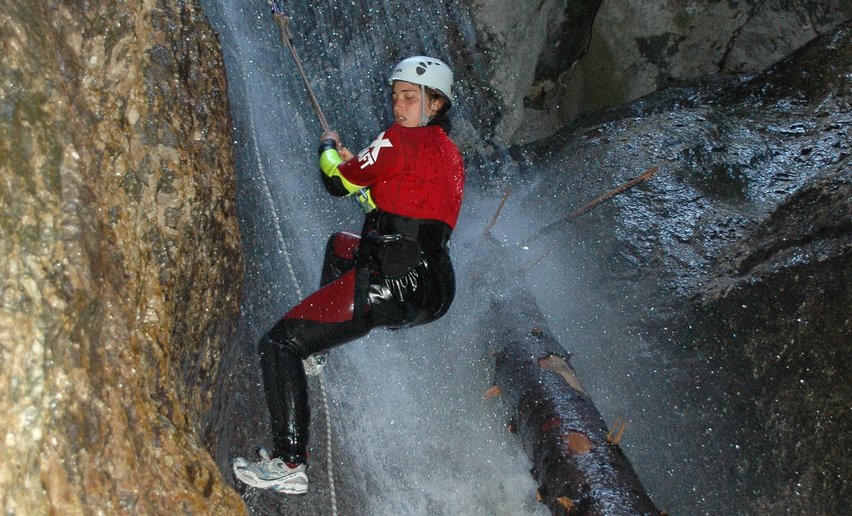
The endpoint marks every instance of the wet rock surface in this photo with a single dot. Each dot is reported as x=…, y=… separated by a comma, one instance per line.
x=631, y=49
x=736, y=256
x=119, y=253
x=645, y=45
x=774, y=301
x=556, y=32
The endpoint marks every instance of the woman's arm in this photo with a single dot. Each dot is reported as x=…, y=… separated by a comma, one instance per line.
x=329, y=159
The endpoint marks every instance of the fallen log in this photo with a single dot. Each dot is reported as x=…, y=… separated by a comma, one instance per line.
x=577, y=462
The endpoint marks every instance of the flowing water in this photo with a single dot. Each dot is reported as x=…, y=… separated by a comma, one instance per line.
x=410, y=433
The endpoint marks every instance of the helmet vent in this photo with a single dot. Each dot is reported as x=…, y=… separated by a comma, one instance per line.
x=425, y=71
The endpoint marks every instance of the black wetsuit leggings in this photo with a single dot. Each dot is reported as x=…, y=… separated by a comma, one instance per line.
x=396, y=274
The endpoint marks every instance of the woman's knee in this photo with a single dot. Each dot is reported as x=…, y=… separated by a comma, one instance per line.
x=280, y=339
x=266, y=348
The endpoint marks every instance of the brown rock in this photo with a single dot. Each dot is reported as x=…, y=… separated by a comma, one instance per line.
x=119, y=256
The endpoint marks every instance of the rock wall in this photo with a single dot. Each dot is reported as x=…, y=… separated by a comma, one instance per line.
x=633, y=48
x=549, y=35
x=657, y=42
x=119, y=256
x=775, y=300
x=734, y=259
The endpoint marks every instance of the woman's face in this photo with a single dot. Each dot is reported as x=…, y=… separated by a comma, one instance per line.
x=407, y=104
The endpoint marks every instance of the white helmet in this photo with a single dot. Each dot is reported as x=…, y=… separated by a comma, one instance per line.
x=425, y=71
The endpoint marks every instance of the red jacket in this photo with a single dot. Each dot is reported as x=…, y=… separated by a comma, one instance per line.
x=411, y=171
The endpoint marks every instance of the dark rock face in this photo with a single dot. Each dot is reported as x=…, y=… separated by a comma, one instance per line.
x=545, y=44
x=644, y=45
x=775, y=301
x=633, y=48
x=736, y=254
x=119, y=254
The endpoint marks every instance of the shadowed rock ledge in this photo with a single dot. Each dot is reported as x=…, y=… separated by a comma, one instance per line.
x=119, y=256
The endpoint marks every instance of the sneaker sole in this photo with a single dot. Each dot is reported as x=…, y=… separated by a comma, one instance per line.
x=298, y=489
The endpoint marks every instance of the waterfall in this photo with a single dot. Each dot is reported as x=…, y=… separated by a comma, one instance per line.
x=410, y=431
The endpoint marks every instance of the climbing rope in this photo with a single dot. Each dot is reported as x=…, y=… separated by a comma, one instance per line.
x=283, y=22
x=294, y=279
x=328, y=461
x=268, y=195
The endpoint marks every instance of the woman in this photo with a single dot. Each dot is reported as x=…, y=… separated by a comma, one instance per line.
x=396, y=274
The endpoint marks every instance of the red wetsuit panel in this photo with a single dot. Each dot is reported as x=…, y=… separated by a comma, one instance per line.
x=416, y=172
x=345, y=244
x=334, y=303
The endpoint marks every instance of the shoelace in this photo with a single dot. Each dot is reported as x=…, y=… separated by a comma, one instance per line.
x=264, y=454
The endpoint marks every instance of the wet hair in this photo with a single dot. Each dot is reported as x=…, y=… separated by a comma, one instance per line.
x=432, y=94
x=441, y=118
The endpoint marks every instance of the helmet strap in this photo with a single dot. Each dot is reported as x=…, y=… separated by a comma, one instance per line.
x=424, y=120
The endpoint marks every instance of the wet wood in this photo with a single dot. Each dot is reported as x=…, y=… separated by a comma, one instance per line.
x=615, y=191
x=577, y=461
x=648, y=174
x=491, y=224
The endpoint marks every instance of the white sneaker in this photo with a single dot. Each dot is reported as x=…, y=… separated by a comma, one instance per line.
x=272, y=473
x=314, y=363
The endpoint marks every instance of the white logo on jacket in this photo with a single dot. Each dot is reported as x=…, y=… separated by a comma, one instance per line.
x=370, y=155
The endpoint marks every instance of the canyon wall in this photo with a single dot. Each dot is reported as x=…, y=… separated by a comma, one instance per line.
x=119, y=256
x=559, y=59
